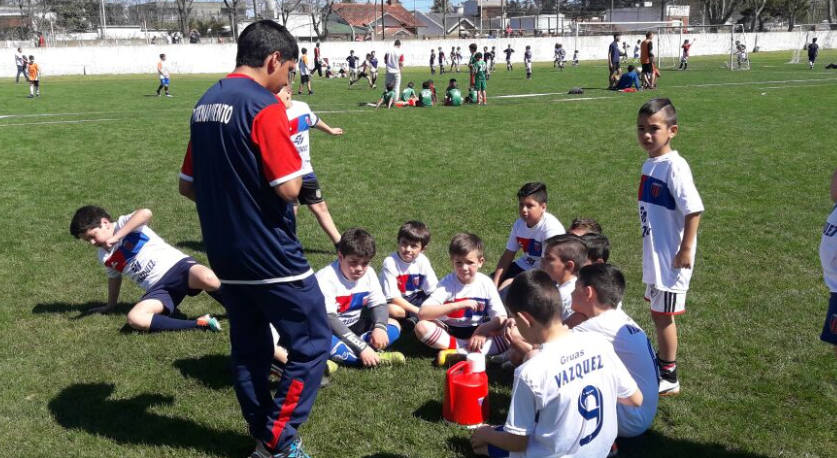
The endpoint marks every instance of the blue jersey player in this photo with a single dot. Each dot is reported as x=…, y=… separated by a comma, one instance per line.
x=244, y=173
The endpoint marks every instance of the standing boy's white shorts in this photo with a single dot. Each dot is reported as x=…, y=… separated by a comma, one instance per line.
x=665, y=302
x=529, y=67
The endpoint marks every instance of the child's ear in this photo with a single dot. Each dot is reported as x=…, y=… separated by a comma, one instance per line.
x=673, y=130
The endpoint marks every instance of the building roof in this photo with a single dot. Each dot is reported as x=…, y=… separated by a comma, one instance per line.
x=358, y=14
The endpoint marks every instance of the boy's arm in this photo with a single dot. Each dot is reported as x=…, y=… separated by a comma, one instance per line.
x=431, y=309
x=339, y=329
x=634, y=400
x=139, y=218
x=502, y=265
x=321, y=125
x=404, y=304
x=501, y=439
x=491, y=327
x=834, y=187
x=684, y=256
x=391, y=101
x=380, y=101
x=379, y=338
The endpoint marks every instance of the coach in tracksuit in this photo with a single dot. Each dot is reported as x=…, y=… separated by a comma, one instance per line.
x=243, y=172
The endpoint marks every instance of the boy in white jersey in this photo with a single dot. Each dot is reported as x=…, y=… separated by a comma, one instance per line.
x=407, y=278
x=599, y=290
x=528, y=233
x=356, y=306
x=669, y=213
x=163, y=74
x=464, y=313
x=563, y=401
x=129, y=247
x=301, y=119
x=828, y=258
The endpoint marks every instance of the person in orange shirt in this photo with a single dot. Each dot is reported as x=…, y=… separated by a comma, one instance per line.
x=34, y=78
x=646, y=49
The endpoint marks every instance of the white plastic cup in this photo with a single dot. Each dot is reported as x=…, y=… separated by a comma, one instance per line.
x=476, y=362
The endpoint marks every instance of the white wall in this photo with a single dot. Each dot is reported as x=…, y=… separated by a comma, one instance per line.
x=220, y=58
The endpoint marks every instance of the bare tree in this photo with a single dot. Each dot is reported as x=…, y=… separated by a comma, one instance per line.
x=719, y=11
x=286, y=7
x=831, y=14
x=184, y=12
x=320, y=11
x=756, y=8
x=232, y=6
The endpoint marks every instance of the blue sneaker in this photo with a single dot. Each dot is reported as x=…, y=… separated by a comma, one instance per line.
x=293, y=451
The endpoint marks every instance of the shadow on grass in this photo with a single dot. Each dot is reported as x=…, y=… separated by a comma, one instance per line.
x=213, y=371
x=430, y=411
x=655, y=444
x=87, y=407
x=461, y=446
x=81, y=310
x=385, y=455
x=411, y=347
x=194, y=245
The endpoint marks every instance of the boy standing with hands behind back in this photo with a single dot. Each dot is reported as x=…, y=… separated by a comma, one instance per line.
x=669, y=212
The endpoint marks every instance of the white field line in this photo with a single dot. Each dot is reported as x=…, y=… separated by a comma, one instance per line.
x=39, y=115
x=513, y=96
x=750, y=83
x=79, y=121
x=792, y=86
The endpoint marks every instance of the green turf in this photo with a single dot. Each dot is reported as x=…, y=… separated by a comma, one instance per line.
x=756, y=380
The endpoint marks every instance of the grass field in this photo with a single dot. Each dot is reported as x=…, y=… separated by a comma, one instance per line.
x=756, y=380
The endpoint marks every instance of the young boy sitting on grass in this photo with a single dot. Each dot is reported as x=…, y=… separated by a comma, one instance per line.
x=564, y=397
x=356, y=306
x=528, y=233
x=407, y=278
x=129, y=247
x=453, y=96
x=599, y=290
x=464, y=313
x=388, y=98
x=583, y=226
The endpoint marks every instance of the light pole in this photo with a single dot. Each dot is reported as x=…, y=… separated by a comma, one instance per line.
x=104, y=23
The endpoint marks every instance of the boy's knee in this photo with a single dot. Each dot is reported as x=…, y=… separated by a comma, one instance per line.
x=396, y=311
x=662, y=319
x=139, y=319
x=423, y=327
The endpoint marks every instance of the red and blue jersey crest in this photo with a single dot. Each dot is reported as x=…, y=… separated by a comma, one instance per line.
x=352, y=302
x=655, y=191
x=127, y=251
x=410, y=283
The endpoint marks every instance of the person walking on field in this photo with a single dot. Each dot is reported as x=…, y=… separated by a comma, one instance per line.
x=244, y=174
x=395, y=62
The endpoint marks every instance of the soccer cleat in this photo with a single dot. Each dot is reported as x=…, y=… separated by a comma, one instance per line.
x=668, y=388
x=614, y=451
x=391, y=358
x=209, y=321
x=169, y=95
x=293, y=451
x=449, y=357
x=331, y=367
x=30, y=96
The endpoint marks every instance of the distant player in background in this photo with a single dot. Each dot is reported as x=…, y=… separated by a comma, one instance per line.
x=472, y=60
x=163, y=74
x=613, y=62
x=645, y=57
x=741, y=54
x=442, y=61
x=560, y=57
x=458, y=58
x=486, y=56
x=352, y=61
x=636, y=51
x=373, y=70
x=432, y=61
x=318, y=60
x=624, y=53
x=509, y=51
x=575, y=58
x=480, y=78
x=21, y=61
x=684, y=57
x=304, y=72
x=491, y=65
x=35, y=78
x=527, y=61
x=828, y=259
x=813, y=52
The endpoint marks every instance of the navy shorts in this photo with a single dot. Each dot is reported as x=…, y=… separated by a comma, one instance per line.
x=310, y=193
x=497, y=452
x=829, y=329
x=174, y=286
x=417, y=298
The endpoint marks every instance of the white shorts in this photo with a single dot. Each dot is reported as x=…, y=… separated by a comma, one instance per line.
x=665, y=302
x=529, y=67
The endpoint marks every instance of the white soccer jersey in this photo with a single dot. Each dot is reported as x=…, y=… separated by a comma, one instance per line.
x=566, y=289
x=634, y=349
x=348, y=298
x=482, y=290
x=164, y=67
x=564, y=398
x=301, y=120
x=530, y=239
x=399, y=278
x=667, y=193
x=828, y=251
x=143, y=256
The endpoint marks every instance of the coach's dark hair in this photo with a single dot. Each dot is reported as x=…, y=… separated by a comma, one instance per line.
x=357, y=241
x=534, y=292
x=588, y=225
x=473, y=47
x=606, y=280
x=397, y=43
x=86, y=218
x=648, y=34
x=535, y=190
x=655, y=106
x=568, y=247
x=598, y=247
x=415, y=231
x=464, y=243
x=262, y=38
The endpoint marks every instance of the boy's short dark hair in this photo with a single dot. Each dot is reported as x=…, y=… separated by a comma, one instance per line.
x=648, y=34
x=411, y=84
x=606, y=280
x=534, y=292
x=390, y=86
x=478, y=56
x=569, y=247
x=397, y=43
x=356, y=241
x=452, y=80
x=86, y=218
x=414, y=231
x=262, y=38
x=162, y=56
x=588, y=225
x=425, y=85
x=598, y=247
x=305, y=50
x=631, y=68
x=657, y=105
x=464, y=243
x=616, y=36
x=473, y=47
x=535, y=190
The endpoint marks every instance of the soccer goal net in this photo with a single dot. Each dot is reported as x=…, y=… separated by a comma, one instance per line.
x=804, y=35
x=667, y=35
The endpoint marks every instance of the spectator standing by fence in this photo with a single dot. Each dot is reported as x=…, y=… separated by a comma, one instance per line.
x=21, y=62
